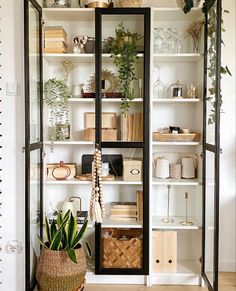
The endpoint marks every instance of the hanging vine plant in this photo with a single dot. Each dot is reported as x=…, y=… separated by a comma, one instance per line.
x=211, y=68
x=124, y=53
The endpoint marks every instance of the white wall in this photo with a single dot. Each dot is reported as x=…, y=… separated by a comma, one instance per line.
x=12, y=118
x=228, y=144
x=12, y=265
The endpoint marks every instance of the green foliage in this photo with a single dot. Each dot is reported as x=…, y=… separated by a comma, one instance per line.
x=64, y=235
x=56, y=96
x=124, y=54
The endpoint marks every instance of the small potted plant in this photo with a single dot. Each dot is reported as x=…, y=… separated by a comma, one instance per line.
x=124, y=53
x=62, y=261
x=56, y=97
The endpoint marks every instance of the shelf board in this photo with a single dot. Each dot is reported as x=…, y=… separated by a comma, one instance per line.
x=79, y=182
x=175, y=143
x=77, y=58
x=69, y=14
x=182, y=182
x=70, y=142
x=104, y=100
x=176, y=14
x=120, y=224
x=158, y=224
x=176, y=100
x=177, y=58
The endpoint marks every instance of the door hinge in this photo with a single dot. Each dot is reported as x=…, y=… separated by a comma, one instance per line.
x=221, y=151
x=42, y=21
x=202, y=155
x=43, y=154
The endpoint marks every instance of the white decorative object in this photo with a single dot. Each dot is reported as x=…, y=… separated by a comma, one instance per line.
x=161, y=168
x=188, y=167
x=105, y=169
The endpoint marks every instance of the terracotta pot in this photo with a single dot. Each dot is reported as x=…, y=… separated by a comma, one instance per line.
x=56, y=272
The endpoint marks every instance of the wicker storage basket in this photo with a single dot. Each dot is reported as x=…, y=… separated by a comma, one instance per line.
x=181, y=137
x=122, y=253
x=130, y=3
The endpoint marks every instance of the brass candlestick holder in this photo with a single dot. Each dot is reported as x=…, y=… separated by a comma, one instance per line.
x=186, y=222
x=167, y=219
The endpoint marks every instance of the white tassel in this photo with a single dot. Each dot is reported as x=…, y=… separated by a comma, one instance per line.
x=97, y=217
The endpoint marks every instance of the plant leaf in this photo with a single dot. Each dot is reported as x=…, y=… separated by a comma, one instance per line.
x=89, y=250
x=55, y=244
x=72, y=255
x=72, y=229
x=59, y=219
x=53, y=230
x=228, y=71
x=41, y=242
x=47, y=228
x=80, y=234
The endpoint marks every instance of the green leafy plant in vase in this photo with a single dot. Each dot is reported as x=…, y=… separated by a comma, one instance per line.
x=56, y=96
x=123, y=49
x=62, y=262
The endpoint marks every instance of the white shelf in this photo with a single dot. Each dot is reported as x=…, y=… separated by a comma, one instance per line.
x=182, y=182
x=158, y=224
x=79, y=182
x=104, y=100
x=69, y=142
x=69, y=14
x=188, y=273
x=176, y=100
x=176, y=14
x=175, y=143
x=177, y=58
x=120, y=224
x=78, y=58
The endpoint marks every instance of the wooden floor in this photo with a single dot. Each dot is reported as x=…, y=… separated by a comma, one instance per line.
x=227, y=282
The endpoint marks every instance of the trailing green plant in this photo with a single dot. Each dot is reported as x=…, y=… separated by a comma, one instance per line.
x=208, y=6
x=124, y=53
x=63, y=235
x=56, y=96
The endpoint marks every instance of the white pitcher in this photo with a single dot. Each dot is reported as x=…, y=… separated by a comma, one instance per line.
x=71, y=205
x=161, y=168
x=188, y=167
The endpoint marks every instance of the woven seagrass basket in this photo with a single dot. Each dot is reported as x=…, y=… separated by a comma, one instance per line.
x=56, y=272
x=130, y=3
x=123, y=249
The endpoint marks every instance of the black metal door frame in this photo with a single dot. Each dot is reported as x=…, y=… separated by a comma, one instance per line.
x=144, y=145
x=212, y=148
x=31, y=146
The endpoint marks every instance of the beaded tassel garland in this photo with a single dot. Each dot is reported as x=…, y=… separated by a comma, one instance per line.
x=97, y=210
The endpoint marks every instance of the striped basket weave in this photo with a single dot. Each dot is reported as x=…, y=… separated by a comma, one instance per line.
x=123, y=253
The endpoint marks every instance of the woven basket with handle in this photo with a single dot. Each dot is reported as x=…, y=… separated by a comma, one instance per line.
x=123, y=249
x=130, y=3
x=56, y=272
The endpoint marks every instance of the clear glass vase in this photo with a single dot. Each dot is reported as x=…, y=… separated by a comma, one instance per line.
x=196, y=44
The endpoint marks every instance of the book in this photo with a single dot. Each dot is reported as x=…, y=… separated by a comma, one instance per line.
x=55, y=50
x=55, y=44
x=56, y=38
x=123, y=218
x=123, y=205
x=124, y=212
x=140, y=205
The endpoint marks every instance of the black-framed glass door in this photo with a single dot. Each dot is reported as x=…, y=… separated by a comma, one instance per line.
x=211, y=145
x=33, y=138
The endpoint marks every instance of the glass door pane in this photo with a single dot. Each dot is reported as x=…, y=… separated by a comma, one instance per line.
x=34, y=73
x=209, y=216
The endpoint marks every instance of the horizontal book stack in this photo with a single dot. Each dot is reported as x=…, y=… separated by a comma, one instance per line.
x=123, y=211
x=55, y=40
x=132, y=127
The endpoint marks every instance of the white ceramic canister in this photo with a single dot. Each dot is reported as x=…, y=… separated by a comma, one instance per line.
x=188, y=167
x=161, y=168
x=72, y=205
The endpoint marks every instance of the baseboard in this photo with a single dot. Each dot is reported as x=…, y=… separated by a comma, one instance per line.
x=227, y=266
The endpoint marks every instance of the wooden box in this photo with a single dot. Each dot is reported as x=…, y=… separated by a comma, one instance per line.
x=180, y=137
x=109, y=120
x=132, y=169
x=51, y=167
x=164, y=251
x=107, y=134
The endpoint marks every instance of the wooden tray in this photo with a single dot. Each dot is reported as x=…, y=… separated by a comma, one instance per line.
x=180, y=137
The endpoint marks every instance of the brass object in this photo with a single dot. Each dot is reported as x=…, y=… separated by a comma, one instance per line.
x=100, y=4
x=186, y=222
x=167, y=219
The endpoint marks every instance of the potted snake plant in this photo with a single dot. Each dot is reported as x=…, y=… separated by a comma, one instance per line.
x=62, y=261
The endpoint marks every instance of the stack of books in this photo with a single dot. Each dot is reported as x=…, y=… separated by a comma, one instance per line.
x=123, y=211
x=132, y=127
x=55, y=40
